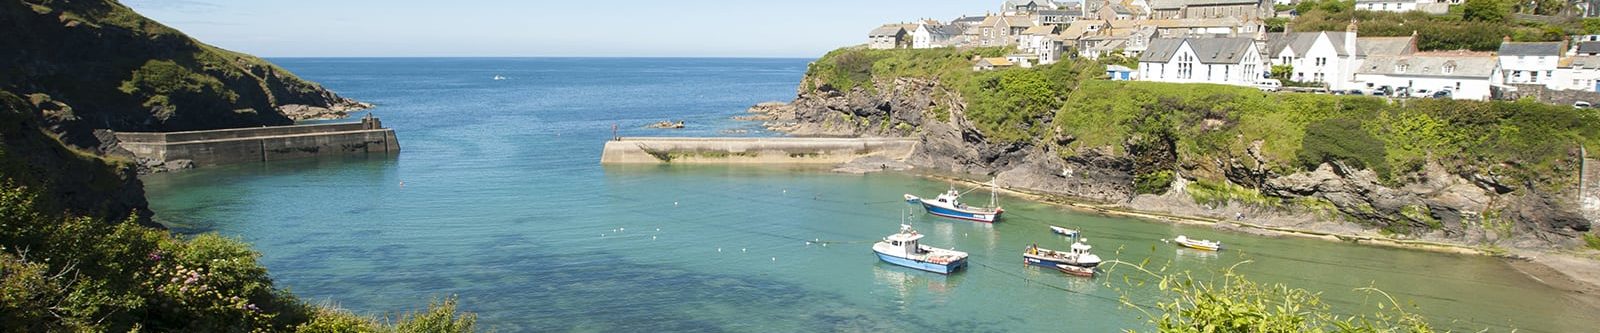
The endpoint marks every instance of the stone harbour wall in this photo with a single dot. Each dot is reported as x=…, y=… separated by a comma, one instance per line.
x=821, y=151
x=261, y=144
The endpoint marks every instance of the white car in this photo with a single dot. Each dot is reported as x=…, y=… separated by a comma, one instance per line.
x=1269, y=84
x=1581, y=105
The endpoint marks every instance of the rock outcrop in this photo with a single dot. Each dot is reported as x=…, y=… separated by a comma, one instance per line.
x=1432, y=204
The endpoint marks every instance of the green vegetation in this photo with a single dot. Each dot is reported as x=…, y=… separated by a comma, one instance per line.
x=62, y=273
x=1421, y=213
x=159, y=80
x=1229, y=302
x=1477, y=25
x=1592, y=240
x=1220, y=193
x=1525, y=140
x=1008, y=105
x=1153, y=183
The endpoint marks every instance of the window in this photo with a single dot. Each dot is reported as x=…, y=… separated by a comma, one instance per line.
x=1458, y=85
x=1449, y=69
x=1322, y=61
x=1318, y=77
x=1534, y=78
x=1401, y=68
x=1225, y=72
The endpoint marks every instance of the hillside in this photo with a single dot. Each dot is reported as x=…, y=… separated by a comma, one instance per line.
x=1490, y=174
x=96, y=64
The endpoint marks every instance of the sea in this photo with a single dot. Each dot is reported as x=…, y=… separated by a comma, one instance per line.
x=498, y=198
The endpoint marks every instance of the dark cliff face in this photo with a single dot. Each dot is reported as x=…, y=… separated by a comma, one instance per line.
x=74, y=181
x=99, y=65
x=1434, y=204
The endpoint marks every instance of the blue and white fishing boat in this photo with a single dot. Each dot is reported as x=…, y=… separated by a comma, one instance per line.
x=903, y=248
x=949, y=205
x=1079, y=256
x=1064, y=231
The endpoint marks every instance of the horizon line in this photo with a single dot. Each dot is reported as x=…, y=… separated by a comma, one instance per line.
x=538, y=57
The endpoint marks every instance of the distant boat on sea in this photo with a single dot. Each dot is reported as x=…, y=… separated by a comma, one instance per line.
x=1198, y=244
x=499, y=78
x=1064, y=231
x=903, y=248
x=949, y=205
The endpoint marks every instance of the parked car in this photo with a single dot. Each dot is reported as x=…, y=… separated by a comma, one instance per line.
x=1442, y=94
x=1269, y=85
x=1356, y=92
x=1383, y=91
x=1581, y=105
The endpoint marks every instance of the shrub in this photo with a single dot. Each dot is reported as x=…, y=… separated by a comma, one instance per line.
x=1229, y=302
x=1153, y=183
x=440, y=317
x=1342, y=140
x=1592, y=240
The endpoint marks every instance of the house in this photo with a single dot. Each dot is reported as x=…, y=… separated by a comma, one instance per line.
x=1577, y=73
x=1232, y=61
x=1467, y=75
x=1323, y=57
x=1037, y=40
x=1058, y=17
x=888, y=36
x=932, y=34
x=1026, y=7
x=1179, y=9
x=1115, y=12
x=1529, y=63
x=999, y=30
x=1024, y=60
x=1401, y=6
x=1119, y=73
x=989, y=64
x=1386, y=46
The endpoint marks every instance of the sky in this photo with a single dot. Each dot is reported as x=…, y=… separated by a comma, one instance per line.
x=508, y=28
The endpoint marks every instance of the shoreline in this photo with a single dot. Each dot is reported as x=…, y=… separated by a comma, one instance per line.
x=1565, y=271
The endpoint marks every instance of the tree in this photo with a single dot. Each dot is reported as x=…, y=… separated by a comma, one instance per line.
x=1485, y=10
x=1282, y=72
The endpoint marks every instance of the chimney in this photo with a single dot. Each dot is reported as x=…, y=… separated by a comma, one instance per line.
x=1505, y=39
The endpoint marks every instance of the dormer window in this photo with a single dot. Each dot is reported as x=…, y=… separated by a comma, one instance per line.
x=1401, y=67
x=1449, y=69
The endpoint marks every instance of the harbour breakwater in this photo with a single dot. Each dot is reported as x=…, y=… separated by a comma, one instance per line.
x=803, y=151
x=182, y=150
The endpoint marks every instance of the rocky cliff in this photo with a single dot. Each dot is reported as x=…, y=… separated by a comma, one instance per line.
x=72, y=69
x=96, y=64
x=1210, y=154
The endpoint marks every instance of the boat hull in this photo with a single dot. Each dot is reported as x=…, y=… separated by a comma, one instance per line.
x=1056, y=264
x=922, y=265
x=1200, y=246
x=958, y=214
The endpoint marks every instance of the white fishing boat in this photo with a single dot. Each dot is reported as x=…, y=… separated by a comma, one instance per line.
x=499, y=78
x=1199, y=244
x=949, y=205
x=1079, y=256
x=904, y=248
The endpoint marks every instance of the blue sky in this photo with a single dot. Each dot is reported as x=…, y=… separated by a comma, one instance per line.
x=494, y=28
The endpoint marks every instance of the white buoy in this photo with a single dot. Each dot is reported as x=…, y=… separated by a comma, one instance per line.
x=674, y=203
x=622, y=229
x=824, y=244
x=652, y=237
x=742, y=250
x=774, y=258
x=658, y=229
x=719, y=250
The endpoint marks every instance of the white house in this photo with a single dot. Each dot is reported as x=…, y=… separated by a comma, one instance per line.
x=931, y=34
x=1233, y=61
x=1529, y=63
x=1323, y=57
x=888, y=36
x=1467, y=75
x=1578, y=73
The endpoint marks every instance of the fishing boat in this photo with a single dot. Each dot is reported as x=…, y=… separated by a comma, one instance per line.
x=904, y=249
x=949, y=205
x=1064, y=231
x=499, y=78
x=1198, y=244
x=1078, y=255
x=1076, y=271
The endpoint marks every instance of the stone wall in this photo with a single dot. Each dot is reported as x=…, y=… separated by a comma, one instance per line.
x=247, y=145
x=1559, y=97
x=821, y=151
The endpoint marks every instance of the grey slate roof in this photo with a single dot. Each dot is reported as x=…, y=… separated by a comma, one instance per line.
x=1385, y=46
x=1585, y=62
x=1301, y=42
x=1209, y=50
x=1474, y=66
x=1530, y=49
x=968, y=20
x=1589, y=47
x=887, y=30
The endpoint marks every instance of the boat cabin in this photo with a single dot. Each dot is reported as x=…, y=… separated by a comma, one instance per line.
x=1080, y=248
x=906, y=241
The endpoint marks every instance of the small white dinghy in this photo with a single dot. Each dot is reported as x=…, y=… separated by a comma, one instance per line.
x=1064, y=231
x=1199, y=244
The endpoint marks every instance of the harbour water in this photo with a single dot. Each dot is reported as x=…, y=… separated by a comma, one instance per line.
x=499, y=198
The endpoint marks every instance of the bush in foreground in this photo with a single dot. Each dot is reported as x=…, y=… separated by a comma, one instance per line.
x=1229, y=302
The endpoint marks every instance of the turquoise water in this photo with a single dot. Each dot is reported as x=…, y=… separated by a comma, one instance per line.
x=505, y=204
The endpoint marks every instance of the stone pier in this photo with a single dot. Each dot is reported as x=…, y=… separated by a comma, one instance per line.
x=261, y=144
x=820, y=151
